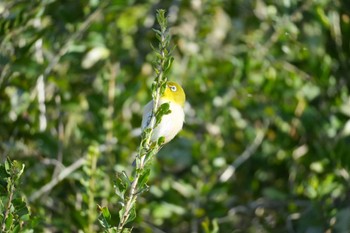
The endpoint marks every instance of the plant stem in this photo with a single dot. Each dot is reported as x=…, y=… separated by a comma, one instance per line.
x=91, y=193
x=3, y=224
x=145, y=151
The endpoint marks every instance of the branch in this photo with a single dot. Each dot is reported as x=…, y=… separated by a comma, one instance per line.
x=8, y=207
x=249, y=151
x=148, y=148
x=64, y=49
x=61, y=176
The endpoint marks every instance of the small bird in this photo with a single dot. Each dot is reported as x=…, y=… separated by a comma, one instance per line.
x=171, y=123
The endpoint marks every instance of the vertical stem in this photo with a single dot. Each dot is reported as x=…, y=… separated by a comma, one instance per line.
x=91, y=191
x=144, y=149
x=114, y=70
x=7, y=210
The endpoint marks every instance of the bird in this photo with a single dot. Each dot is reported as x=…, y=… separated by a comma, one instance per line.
x=171, y=123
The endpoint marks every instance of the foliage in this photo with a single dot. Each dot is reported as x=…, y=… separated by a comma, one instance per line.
x=266, y=140
x=128, y=189
x=14, y=212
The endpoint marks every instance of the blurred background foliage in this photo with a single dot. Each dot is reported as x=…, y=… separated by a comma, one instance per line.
x=265, y=147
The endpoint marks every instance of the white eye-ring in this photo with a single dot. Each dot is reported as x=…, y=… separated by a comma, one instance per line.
x=173, y=88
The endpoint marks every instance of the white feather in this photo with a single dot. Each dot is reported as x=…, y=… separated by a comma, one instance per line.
x=170, y=125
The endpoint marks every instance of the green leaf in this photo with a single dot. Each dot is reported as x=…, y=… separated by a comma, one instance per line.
x=18, y=169
x=105, y=212
x=25, y=218
x=124, y=177
x=10, y=185
x=16, y=229
x=93, y=150
x=143, y=179
x=157, y=31
x=162, y=88
x=127, y=230
x=20, y=207
x=9, y=221
x=113, y=230
x=159, y=37
x=121, y=213
x=168, y=65
x=161, y=141
x=132, y=214
x=122, y=184
x=104, y=217
x=207, y=226
x=161, y=18
x=162, y=110
x=8, y=166
x=3, y=200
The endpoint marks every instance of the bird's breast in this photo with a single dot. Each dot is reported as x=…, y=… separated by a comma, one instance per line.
x=171, y=123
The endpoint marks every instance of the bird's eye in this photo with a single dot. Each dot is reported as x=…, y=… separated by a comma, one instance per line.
x=173, y=88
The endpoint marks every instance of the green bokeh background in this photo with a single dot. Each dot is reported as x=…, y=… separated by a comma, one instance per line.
x=267, y=85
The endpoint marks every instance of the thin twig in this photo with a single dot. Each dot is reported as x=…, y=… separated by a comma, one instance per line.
x=3, y=224
x=64, y=49
x=248, y=152
x=91, y=192
x=61, y=176
x=61, y=135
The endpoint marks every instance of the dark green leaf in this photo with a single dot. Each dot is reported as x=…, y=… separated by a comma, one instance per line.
x=20, y=207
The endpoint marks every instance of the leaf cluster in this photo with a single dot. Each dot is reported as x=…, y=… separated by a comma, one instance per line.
x=14, y=212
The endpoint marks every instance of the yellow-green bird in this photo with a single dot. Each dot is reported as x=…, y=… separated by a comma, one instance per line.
x=171, y=123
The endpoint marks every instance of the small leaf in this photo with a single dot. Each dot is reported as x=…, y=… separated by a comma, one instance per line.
x=25, y=217
x=122, y=184
x=9, y=221
x=16, y=229
x=162, y=88
x=161, y=141
x=113, y=230
x=18, y=169
x=20, y=207
x=156, y=70
x=152, y=47
x=127, y=230
x=158, y=37
x=132, y=214
x=205, y=225
x=121, y=213
x=104, y=217
x=162, y=110
x=8, y=166
x=168, y=65
x=144, y=189
x=105, y=212
x=157, y=31
x=154, y=88
x=143, y=179
x=10, y=185
x=125, y=178
x=161, y=18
